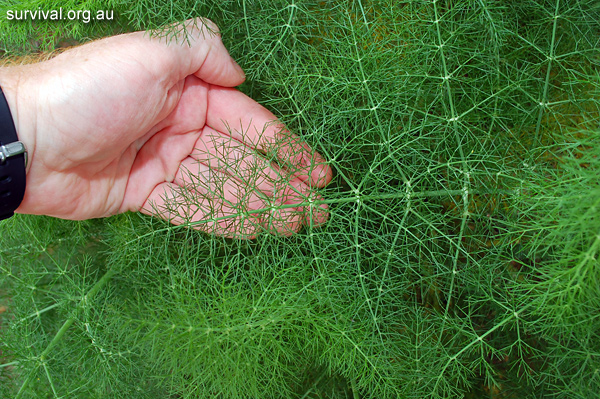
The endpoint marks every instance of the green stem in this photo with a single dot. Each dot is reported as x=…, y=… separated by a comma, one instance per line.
x=65, y=327
x=355, y=393
x=544, y=100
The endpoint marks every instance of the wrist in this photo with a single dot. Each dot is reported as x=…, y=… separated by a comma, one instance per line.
x=21, y=104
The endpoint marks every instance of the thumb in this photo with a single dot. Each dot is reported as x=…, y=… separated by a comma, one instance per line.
x=197, y=49
x=218, y=68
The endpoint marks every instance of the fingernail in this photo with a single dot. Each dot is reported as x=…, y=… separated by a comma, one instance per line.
x=318, y=175
x=238, y=68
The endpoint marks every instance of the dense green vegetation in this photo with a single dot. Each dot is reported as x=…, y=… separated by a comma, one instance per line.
x=461, y=255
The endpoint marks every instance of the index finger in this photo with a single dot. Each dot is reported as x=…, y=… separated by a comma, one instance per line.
x=233, y=113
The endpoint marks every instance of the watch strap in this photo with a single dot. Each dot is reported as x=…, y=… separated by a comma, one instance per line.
x=12, y=163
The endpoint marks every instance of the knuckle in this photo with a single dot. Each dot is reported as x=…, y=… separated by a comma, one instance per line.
x=210, y=26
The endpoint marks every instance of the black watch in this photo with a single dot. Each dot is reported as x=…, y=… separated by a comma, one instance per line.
x=13, y=161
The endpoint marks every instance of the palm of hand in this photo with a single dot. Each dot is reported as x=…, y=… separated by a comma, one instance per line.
x=135, y=125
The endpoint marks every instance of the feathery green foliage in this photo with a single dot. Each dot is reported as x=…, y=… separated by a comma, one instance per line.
x=461, y=255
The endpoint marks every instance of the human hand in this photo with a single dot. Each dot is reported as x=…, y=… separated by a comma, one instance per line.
x=131, y=123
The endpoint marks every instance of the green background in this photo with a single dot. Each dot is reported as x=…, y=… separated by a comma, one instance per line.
x=460, y=259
